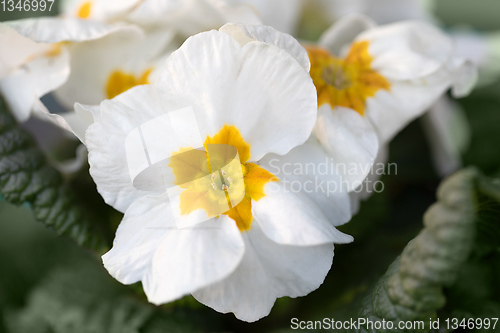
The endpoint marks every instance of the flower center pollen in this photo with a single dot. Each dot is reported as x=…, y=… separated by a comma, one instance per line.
x=206, y=195
x=345, y=82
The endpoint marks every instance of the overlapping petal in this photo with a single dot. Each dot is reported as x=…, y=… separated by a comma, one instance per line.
x=256, y=79
x=248, y=33
x=351, y=141
x=267, y=271
x=309, y=171
x=303, y=223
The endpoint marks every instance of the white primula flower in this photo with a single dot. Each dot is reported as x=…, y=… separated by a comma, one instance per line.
x=35, y=60
x=246, y=88
x=388, y=75
x=475, y=47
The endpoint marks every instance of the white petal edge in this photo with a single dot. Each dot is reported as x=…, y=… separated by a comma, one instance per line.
x=56, y=29
x=25, y=85
x=448, y=134
x=407, y=50
x=269, y=35
x=322, y=185
x=350, y=140
x=192, y=258
x=75, y=122
x=260, y=89
x=290, y=218
x=267, y=271
x=390, y=111
x=344, y=31
x=106, y=137
x=93, y=62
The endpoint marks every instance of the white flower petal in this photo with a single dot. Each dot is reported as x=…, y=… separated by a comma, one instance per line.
x=73, y=122
x=267, y=271
x=55, y=30
x=448, y=134
x=93, y=62
x=25, y=85
x=271, y=36
x=465, y=76
x=106, y=139
x=343, y=32
x=259, y=88
x=190, y=259
x=154, y=12
x=351, y=141
x=80, y=119
x=20, y=51
x=407, y=50
x=290, y=218
x=137, y=239
x=390, y=111
x=309, y=170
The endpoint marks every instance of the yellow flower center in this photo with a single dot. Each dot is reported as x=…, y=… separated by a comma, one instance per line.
x=83, y=11
x=207, y=193
x=119, y=82
x=345, y=82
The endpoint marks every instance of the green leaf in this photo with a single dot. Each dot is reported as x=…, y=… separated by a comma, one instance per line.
x=26, y=177
x=50, y=284
x=412, y=288
x=83, y=300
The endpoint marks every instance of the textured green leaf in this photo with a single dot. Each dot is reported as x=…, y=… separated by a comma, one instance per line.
x=26, y=177
x=412, y=288
x=50, y=284
x=68, y=301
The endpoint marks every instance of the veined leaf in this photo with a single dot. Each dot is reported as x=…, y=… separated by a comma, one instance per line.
x=26, y=177
x=412, y=288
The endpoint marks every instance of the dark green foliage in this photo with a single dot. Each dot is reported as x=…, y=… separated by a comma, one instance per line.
x=49, y=284
x=26, y=177
x=464, y=221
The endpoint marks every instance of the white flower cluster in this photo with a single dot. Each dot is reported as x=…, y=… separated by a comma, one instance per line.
x=155, y=116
